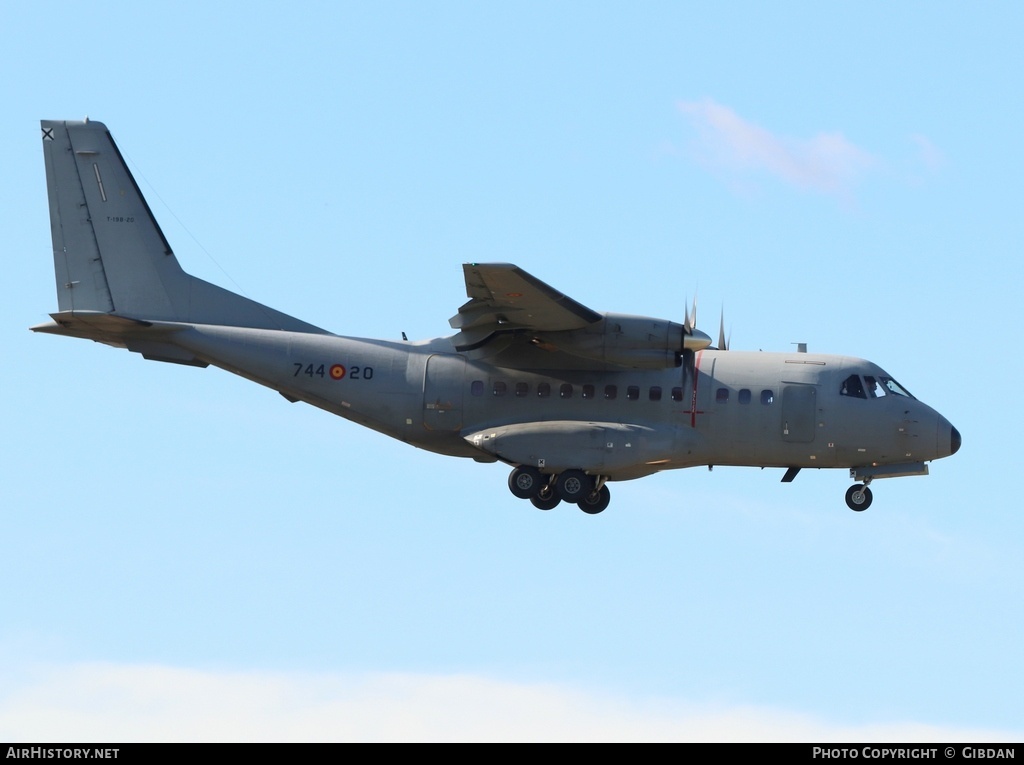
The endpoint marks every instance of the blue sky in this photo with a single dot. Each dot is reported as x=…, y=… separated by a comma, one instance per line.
x=189, y=557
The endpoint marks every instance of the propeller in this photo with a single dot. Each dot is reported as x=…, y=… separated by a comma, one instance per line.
x=723, y=344
x=693, y=340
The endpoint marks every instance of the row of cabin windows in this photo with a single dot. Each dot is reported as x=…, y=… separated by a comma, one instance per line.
x=611, y=392
x=567, y=390
x=744, y=396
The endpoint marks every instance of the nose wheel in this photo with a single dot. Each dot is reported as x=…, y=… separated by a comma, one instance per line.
x=858, y=497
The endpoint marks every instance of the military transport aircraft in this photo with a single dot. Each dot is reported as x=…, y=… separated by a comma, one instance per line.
x=570, y=398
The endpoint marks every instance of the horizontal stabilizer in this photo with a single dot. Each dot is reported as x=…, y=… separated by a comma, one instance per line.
x=93, y=325
x=144, y=337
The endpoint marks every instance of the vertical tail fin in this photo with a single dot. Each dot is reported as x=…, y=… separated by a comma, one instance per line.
x=110, y=256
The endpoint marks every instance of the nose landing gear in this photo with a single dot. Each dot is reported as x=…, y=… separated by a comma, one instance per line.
x=858, y=496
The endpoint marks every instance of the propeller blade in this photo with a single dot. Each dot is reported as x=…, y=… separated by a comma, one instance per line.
x=688, y=366
x=723, y=345
x=692, y=338
x=690, y=318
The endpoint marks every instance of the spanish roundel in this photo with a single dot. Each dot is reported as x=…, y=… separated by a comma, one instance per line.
x=337, y=372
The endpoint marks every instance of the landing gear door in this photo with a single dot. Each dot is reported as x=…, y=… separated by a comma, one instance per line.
x=442, y=392
x=799, y=408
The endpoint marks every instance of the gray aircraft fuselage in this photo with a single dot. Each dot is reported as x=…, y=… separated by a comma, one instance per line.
x=569, y=398
x=747, y=408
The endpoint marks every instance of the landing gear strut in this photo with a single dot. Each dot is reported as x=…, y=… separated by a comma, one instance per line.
x=858, y=497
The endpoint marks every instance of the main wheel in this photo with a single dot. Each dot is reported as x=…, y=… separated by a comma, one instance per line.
x=858, y=497
x=526, y=482
x=595, y=501
x=547, y=498
x=573, y=485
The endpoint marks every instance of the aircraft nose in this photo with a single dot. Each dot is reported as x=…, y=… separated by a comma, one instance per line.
x=947, y=438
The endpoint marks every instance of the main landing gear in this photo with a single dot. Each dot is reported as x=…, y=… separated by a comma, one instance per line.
x=590, y=494
x=858, y=496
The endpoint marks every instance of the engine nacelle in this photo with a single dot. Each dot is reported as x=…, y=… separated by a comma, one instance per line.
x=639, y=342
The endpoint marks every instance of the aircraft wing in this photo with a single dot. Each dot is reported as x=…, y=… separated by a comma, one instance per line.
x=506, y=300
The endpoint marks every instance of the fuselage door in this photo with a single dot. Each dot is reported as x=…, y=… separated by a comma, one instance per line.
x=442, y=392
x=799, y=407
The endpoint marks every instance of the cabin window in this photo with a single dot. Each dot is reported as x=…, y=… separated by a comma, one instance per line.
x=543, y=390
x=477, y=388
x=744, y=396
x=522, y=389
x=767, y=397
x=611, y=391
x=654, y=394
x=588, y=391
x=499, y=388
x=677, y=394
x=722, y=396
x=633, y=392
x=852, y=387
x=565, y=391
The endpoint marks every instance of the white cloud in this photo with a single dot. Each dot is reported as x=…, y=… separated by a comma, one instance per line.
x=108, y=702
x=826, y=162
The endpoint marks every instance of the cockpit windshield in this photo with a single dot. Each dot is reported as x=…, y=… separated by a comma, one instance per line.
x=871, y=386
x=894, y=387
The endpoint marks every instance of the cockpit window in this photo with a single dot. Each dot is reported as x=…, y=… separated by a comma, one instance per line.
x=895, y=388
x=852, y=387
x=872, y=386
x=875, y=389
